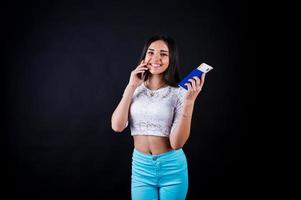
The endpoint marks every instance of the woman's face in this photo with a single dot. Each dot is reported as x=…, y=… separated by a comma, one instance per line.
x=158, y=56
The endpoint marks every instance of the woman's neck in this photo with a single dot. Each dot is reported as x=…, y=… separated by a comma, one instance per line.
x=155, y=82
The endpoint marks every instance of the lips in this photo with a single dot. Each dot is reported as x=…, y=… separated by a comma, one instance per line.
x=155, y=65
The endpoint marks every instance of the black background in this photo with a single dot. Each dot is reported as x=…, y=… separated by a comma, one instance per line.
x=65, y=66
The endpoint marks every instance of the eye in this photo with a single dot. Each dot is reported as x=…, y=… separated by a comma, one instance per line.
x=150, y=53
x=164, y=54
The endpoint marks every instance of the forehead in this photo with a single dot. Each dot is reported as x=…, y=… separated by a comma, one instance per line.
x=158, y=45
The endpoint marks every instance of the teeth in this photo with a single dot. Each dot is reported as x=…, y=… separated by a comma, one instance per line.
x=155, y=65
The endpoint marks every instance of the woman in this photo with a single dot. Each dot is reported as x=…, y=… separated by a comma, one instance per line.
x=159, y=113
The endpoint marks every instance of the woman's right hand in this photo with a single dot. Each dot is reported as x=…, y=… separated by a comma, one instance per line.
x=137, y=74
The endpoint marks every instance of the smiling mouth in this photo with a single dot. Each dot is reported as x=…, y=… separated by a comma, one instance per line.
x=155, y=65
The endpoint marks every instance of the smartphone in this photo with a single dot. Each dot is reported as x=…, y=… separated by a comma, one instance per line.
x=203, y=68
x=144, y=76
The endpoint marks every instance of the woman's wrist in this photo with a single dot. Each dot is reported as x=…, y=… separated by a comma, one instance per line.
x=129, y=90
x=131, y=85
x=188, y=102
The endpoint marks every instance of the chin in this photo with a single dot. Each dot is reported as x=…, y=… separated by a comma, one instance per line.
x=156, y=72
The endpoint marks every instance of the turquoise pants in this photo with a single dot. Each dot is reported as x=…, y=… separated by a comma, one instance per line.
x=162, y=176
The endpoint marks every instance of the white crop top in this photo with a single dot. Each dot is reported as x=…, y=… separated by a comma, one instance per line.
x=155, y=112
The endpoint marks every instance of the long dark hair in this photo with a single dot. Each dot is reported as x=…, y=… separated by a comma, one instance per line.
x=171, y=75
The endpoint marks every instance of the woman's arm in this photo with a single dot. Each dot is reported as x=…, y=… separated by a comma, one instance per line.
x=121, y=113
x=181, y=132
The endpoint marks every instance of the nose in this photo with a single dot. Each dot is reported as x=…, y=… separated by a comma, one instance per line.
x=157, y=57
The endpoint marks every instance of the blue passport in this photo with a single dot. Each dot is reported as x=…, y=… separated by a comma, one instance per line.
x=203, y=68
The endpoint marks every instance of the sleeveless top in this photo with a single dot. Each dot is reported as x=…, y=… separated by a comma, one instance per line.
x=155, y=112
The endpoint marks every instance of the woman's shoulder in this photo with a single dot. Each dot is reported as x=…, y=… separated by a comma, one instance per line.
x=178, y=89
x=138, y=89
x=179, y=92
x=141, y=90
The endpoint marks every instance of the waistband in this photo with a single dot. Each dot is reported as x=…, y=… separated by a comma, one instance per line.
x=166, y=155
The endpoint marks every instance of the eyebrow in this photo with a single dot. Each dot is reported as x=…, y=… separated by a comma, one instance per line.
x=160, y=50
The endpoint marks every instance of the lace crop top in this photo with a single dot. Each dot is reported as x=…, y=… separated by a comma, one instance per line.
x=155, y=112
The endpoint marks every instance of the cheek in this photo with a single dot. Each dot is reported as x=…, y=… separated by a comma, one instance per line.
x=166, y=61
x=147, y=57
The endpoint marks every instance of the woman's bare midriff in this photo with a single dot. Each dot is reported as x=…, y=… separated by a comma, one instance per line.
x=151, y=144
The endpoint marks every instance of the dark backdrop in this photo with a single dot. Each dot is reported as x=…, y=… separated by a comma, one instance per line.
x=65, y=66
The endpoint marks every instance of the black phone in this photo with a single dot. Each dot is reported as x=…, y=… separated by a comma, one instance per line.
x=145, y=75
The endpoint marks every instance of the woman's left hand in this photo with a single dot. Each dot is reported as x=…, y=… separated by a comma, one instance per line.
x=194, y=88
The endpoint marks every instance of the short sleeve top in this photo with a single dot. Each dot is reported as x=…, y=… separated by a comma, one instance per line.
x=155, y=112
